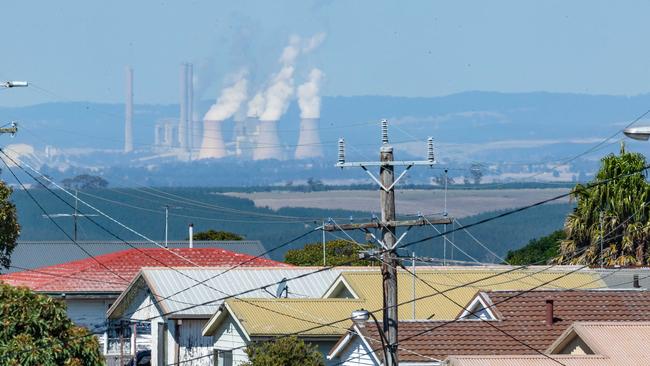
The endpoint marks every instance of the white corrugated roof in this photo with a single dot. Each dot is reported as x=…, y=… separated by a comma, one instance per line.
x=165, y=282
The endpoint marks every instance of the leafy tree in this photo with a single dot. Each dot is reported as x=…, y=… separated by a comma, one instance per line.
x=217, y=235
x=9, y=227
x=286, y=351
x=85, y=181
x=623, y=203
x=337, y=252
x=537, y=251
x=314, y=185
x=35, y=330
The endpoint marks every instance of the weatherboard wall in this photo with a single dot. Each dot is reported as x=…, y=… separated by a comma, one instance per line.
x=227, y=337
x=194, y=349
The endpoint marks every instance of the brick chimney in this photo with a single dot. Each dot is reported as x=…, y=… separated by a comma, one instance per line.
x=549, y=313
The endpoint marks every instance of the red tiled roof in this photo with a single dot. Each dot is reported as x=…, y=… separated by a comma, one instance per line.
x=87, y=275
x=523, y=317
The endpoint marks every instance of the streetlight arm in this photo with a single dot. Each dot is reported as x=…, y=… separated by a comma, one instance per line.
x=14, y=84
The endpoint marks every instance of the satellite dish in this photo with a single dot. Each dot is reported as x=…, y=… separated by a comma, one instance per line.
x=283, y=288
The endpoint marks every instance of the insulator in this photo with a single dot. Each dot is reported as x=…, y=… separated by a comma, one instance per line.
x=341, y=151
x=431, y=156
x=384, y=131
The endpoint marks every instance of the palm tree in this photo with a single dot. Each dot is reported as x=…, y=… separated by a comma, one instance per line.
x=623, y=204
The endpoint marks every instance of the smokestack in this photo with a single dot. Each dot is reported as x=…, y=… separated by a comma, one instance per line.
x=190, y=107
x=635, y=281
x=549, y=313
x=268, y=142
x=158, y=132
x=191, y=229
x=128, y=112
x=182, y=119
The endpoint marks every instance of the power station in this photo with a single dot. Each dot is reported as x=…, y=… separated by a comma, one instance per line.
x=188, y=138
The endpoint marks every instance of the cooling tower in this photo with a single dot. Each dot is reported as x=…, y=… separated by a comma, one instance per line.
x=309, y=146
x=268, y=142
x=212, y=146
x=128, y=112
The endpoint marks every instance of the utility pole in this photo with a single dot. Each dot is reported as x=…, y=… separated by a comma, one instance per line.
x=166, y=223
x=167, y=208
x=74, y=215
x=324, y=255
x=388, y=226
x=601, y=239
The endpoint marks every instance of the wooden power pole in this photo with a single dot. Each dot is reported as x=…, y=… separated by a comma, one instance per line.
x=388, y=225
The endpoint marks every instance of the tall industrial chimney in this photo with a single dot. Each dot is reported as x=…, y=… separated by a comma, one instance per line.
x=128, y=112
x=309, y=145
x=182, y=119
x=191, y=142
x=212, y=146
x=268, y=142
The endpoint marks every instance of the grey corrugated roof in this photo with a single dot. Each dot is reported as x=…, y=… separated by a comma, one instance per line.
x=34, y=254
x=621, y=278
x=165, y=282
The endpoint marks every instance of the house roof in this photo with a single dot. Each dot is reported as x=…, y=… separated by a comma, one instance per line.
x=521, y=315
x=534, y=360
x=168, y=287
x=35, y=254
x=624, y=277
x=611, y=339
x=367, y=286
x=303, y=316
x=612, y=343
x=117, y=269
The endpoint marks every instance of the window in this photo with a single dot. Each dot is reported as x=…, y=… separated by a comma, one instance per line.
x=222, y=357
x=477, y=310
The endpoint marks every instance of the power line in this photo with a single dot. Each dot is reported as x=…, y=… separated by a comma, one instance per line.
x=520, y=209
x=57, y=224
x=459, y=228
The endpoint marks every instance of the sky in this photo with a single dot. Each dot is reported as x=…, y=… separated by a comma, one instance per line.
x=77, y=50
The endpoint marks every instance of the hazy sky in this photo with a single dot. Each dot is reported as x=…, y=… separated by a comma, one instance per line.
x=77, y=50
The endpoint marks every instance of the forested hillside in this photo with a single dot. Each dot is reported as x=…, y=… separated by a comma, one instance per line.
x=142, y=209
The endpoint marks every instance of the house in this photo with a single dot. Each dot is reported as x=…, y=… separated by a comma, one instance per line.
x=36, y=254
x=459, y=284
x=517, y=323
x=174, y=305
x=583, y=344
x=241, y=322
x=237, y=324
x=90, y=286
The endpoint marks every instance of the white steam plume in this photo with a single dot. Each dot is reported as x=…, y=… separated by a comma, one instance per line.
x=256, y=105
x=230, y=100
x=278, y=94
x=291, y=51
x=309, y=95
x=312, y=43
x=281, y=87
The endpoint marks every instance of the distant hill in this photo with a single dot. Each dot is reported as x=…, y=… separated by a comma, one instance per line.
x=512, y=135
x=470, y=117
x=142, y=210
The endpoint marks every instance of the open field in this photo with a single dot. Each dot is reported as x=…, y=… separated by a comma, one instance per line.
x=460, y=203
